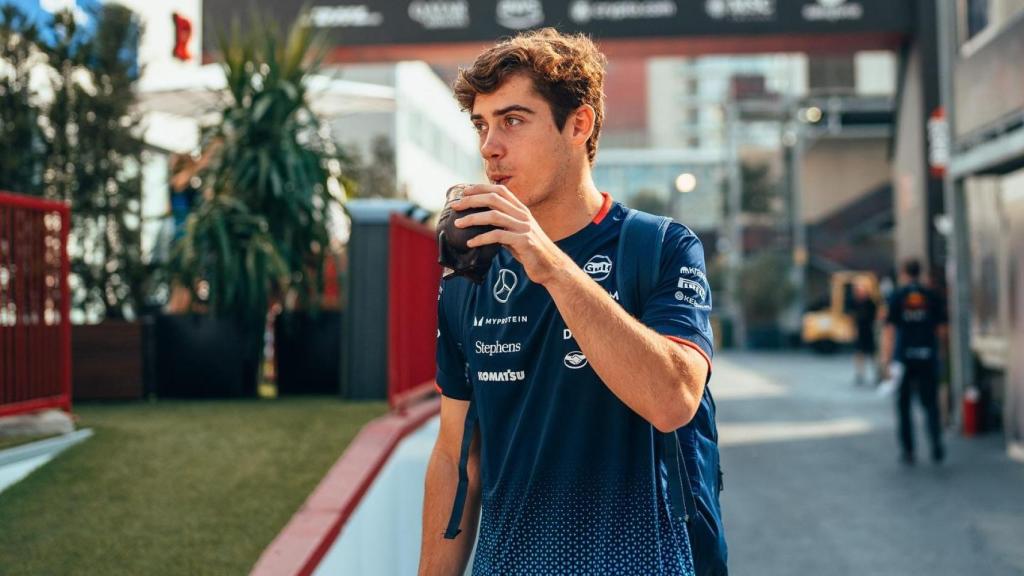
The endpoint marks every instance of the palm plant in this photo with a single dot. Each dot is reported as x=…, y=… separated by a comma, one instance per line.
x=260, y=236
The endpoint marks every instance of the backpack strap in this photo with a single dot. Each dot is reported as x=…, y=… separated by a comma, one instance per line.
x=639, y=261
x=459, y=505
x=639, y=258
x=462, y=286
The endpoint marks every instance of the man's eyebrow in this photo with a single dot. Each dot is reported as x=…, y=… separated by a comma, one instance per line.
x=505, y=110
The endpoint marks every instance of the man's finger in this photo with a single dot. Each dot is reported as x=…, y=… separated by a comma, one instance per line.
x=490, y=200
x=498, y=236
x=494, y=218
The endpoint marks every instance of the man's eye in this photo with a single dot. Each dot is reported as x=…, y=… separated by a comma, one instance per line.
x=513, y=121
x=480, y=128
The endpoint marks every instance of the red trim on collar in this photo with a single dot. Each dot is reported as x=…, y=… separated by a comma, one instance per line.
x=605, y=208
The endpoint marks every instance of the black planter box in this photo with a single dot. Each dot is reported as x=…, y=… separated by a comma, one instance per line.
x=198, y=356
x=308, y=349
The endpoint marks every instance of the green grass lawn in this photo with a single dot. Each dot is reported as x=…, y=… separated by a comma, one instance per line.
x=174, y=487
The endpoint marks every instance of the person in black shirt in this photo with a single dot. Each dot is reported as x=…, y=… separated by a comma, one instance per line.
x=864, y=310
x=915, y=324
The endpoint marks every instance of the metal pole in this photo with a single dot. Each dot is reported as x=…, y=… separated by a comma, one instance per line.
x=735, y=232
x=958, y=264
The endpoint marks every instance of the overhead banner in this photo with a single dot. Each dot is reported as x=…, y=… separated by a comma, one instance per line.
x=391, y=22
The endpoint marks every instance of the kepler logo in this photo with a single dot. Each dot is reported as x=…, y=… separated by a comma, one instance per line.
x=440, y=14
x=575, y=360
x=520, y=14
x=506, y=376
x=599, y=267
x=833, y=11
x=490, y=349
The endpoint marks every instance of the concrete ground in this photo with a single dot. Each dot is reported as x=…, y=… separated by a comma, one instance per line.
x=813, y=485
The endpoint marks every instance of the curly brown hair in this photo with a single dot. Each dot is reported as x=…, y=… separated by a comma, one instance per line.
x=567, y=71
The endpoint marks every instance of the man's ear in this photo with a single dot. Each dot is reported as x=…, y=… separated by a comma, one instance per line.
x=581, y=124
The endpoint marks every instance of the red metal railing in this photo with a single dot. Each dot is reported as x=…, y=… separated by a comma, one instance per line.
x=35, y=305
x=413, y=277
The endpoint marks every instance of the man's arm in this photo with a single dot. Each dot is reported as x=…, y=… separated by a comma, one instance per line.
x=657, y=378
x=438, y=556
x=660, y=380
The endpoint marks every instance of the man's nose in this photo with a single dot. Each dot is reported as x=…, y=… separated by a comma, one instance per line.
x=492, y=146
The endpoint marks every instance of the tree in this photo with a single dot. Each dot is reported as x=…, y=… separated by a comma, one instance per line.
x=78, y=140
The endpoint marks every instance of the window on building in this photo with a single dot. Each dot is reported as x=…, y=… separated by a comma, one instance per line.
x=831, y=74
x=980, y=19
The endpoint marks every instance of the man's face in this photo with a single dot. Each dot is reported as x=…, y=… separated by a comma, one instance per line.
x=519, y=142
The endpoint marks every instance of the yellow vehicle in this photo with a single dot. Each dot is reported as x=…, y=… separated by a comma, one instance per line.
x=826, y=330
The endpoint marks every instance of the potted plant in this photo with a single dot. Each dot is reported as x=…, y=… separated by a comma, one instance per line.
x=257, y=243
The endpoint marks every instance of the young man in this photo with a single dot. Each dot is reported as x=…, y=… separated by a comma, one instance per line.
x=915, y=326
x=557, y=390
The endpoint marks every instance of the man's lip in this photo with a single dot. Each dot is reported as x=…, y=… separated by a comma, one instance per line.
x=500, y=179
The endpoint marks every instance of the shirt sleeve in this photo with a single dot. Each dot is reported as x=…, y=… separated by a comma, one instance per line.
x=451, y=359
x=680, y=305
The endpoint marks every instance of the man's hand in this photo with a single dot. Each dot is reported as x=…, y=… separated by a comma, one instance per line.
x=517, y=230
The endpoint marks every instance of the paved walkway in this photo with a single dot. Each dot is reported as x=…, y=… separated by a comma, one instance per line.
x=813, y=486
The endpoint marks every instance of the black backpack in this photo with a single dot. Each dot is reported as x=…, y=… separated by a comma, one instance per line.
x=690, y=454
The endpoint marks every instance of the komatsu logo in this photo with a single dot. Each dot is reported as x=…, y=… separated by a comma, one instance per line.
x=506, y=376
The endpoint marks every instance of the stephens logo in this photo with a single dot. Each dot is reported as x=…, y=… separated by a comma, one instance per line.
x=506, y=376
x=575, y=360
x=497, y=348
x=599, y=267
x=520, y=14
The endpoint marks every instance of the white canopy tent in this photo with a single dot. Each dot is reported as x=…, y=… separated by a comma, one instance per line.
x=176, y=105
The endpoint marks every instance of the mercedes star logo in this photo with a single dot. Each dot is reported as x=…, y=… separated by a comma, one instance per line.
x=505, y=285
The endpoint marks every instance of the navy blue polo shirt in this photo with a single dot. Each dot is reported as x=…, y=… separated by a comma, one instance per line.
x=571, y=482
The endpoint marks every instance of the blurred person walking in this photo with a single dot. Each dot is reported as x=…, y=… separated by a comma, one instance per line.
x=915, y=325
x=563, y=411
x=864, y=310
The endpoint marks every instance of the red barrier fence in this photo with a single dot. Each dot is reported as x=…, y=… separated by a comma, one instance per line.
x=413, y=277
x=35, y=311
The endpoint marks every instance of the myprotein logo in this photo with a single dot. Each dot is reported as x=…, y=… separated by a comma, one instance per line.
x=519, y=14
x=505, y=376
x=481, y=321
x=345, y=16
x=492, y=348
x=598, y=267
x=740, y=10
x=440, y=14
x=584, y=11
x=575, y=360
x=504, y=285
x=832, y=11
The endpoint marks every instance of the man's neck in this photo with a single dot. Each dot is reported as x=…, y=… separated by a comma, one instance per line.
x=570, y=209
